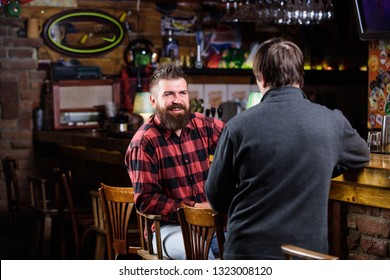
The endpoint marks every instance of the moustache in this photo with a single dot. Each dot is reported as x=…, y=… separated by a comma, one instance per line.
x=177, y=106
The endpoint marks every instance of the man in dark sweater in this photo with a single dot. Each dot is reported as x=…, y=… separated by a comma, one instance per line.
x=274, y=162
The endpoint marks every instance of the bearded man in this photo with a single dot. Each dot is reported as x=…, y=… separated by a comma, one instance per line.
x=168, y=158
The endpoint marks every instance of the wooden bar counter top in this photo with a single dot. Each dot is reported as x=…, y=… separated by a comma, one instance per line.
x=368, y=186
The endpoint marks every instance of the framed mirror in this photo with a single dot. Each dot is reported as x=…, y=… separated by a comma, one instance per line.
x=83, y=32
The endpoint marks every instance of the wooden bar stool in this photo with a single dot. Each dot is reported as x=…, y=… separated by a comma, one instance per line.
x=44, y=206
x=80, y=219
x=21, y=215
x=145, y=223
x=118, y=205
x=14, y=206
x=199, y=226
x=98, y=226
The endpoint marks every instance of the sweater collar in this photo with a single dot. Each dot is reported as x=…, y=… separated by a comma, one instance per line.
x=284, y=91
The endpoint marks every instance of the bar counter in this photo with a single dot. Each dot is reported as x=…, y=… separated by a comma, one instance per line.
x=96, y=157
x=369, y=186
x=94, y=145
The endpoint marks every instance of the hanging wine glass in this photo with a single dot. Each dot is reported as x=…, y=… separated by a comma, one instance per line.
x=319, y=11
x=246, y=12
x=276, y=11
x=329, y=10
x=228, y=12
x=267, y=11
x=288, y=12
x=234, y=17
x=260, y=5
x=296, y=16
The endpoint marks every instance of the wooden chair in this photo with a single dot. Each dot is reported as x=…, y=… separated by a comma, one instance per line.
x=14, y=205
x=117, y=204
x=12, y=188
x=199, y=226
x=81, y=219
x=44, y=206
x=291, y=251
x=146, y=224
x=98, y=226
x=23, y=216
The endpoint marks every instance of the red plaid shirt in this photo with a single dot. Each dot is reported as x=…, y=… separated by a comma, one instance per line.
x=166, y=170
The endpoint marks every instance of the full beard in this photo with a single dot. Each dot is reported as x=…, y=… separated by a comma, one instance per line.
x=171, y=121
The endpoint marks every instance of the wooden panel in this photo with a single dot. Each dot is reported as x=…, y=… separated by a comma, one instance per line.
x=360, y=194
x=337, y=230
x=367, y=176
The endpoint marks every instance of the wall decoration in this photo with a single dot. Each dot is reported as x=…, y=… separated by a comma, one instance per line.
x=13, y=8
x=83, y=32
x=378, y=83
x=215, y=94
x=179, y=25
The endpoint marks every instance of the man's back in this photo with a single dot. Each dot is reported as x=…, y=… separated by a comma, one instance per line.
x=285, y=150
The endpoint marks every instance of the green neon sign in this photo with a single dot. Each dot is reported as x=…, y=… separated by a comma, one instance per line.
x=83, y=32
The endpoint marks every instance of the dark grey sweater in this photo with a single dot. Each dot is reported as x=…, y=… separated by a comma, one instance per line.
x=272, y=170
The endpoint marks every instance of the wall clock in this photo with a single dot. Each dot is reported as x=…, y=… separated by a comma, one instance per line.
x=83, y=32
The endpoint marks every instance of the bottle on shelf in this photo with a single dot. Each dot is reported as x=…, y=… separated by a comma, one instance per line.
x=171, y=47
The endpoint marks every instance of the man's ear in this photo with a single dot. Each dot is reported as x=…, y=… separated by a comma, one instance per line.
x=260, y=80
x=153, y=100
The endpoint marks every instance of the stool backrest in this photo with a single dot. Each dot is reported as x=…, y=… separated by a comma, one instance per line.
x=11, y=182
x=98, y=216
x=117, y=204
x=198, y=227
x=291, y=251
x=38, y=192
x=63, y=180
x=146, y=224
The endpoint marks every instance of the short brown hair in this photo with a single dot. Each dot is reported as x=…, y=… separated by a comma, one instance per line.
x=166, y=72
x=280, y=62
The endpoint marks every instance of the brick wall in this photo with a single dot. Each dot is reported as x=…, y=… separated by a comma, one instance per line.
x=369, y=233
x=20, y=89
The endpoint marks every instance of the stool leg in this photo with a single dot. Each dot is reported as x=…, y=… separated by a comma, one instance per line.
x=47, y=237
x=36, y=238
x=100, y=247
